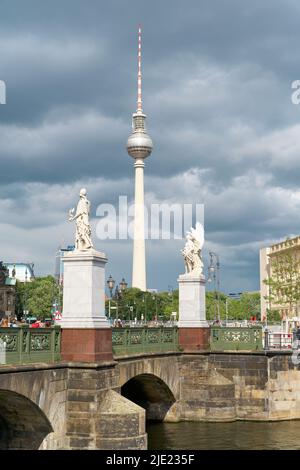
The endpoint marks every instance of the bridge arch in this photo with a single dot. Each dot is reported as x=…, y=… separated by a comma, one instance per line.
x=153, y=383
x=23, y=425
x=151, y=393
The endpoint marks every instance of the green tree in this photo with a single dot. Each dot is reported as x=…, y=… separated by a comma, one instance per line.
x=37, y=297
x=250, y=305
x=146, y=304
x=170, y=303
x=247, y=306
x=273, y=315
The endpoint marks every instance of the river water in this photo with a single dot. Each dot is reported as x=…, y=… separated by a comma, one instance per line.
x=223, y=436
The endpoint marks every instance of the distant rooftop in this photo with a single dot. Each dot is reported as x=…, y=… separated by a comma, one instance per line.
x=22, y=272
x=286, y=244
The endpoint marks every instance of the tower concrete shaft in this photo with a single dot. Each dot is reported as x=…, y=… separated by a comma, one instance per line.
x=139, y=147
x=139, y=255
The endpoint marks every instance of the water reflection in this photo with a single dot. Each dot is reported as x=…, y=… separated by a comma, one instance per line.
x=236, y=436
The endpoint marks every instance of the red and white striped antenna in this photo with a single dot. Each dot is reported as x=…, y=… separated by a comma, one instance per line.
x=139, y=100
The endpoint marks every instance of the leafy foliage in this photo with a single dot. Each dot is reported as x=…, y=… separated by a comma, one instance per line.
x=273, y=315
x=133, y=303
x=37, y=297
x=247, y=306
x=162, y=304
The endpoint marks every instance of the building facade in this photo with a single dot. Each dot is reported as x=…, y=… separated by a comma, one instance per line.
x=7, y=292
x=280, y=262
x=22, y=272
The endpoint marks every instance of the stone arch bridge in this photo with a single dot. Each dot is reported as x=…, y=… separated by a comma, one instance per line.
x=105, y=405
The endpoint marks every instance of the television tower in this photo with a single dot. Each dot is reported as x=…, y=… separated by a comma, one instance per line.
x=139, y=147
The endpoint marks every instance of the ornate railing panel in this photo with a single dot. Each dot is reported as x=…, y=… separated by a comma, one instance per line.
x=235, y=339
x=127, y=341
x=26, y=345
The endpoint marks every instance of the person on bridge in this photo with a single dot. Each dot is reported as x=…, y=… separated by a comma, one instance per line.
x=4, y=322
x=36, y=324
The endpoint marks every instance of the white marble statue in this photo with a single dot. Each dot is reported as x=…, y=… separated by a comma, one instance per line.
x=192, y=250
x=83, y=229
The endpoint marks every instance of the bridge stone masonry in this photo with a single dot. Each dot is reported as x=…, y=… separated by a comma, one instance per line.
x=105, y=405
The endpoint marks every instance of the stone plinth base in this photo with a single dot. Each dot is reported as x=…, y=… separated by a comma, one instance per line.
x=86, y=344
x=193, y=339
x=192, y=301
x=84, y=284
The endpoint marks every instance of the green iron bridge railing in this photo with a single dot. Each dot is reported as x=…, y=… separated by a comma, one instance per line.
x=135, y=340
x=27, y=345
x=236, y=339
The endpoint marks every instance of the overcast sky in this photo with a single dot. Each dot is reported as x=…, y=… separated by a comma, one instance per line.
x=217, y=91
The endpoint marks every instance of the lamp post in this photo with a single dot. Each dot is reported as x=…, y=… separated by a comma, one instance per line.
x=171, y=296
x=214, y=274
x=226, y=310
x=131, y=313
x=117, y=295
x=170, y=292
x=145, y=307
x=154, y=297
x=110, y=284
x=123, y=285
x=25, y=300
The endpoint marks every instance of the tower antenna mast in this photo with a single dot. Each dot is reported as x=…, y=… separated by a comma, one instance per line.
x=139, y=98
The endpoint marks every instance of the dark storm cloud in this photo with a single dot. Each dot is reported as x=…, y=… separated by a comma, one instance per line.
x=217, y=84
x=69, y=54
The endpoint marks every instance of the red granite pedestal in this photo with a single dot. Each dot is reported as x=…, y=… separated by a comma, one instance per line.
x=193, y=339
x=86, y=344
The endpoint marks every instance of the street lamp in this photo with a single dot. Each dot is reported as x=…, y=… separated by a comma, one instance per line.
x=171, y=296
x=25, y=312
x=131, y=312
x=117, y=292
x=117, y=295
x=214, y=274
x=154, y=297
x=145, y=307
x=110, y=284
x=123, y=285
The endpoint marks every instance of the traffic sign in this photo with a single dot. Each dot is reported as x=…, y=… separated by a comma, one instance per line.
x=57, y=316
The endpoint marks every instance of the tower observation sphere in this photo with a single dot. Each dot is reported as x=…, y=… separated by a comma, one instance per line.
x=139, y=143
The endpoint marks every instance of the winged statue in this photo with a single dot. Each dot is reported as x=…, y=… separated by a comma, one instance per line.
x=192, y=250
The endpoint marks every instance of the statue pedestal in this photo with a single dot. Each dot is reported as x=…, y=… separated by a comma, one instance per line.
x=193, y=327
x=86, y=333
